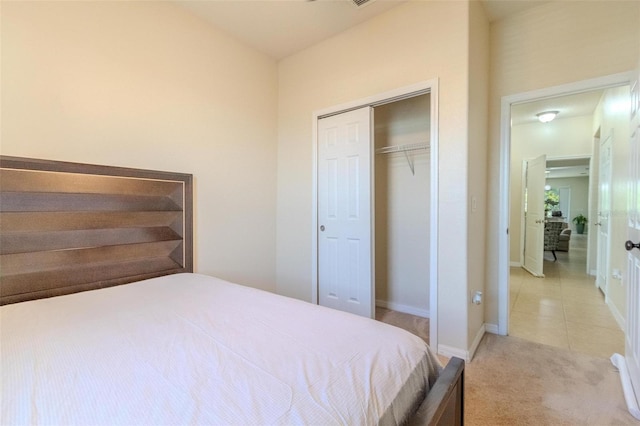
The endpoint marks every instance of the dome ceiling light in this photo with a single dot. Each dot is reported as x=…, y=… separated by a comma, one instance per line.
x=546, y=116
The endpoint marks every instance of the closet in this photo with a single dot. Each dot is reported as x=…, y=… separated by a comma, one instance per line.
x=373, y=207
x=401, y=187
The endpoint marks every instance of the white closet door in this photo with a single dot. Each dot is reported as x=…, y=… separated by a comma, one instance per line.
x=345, y=252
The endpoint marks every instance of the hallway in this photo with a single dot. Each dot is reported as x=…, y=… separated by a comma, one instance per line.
x=564, y=309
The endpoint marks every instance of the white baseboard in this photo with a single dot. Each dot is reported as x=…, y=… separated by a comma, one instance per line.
x=476, y=342
x=398, y=307
x=616, y=314
x=515, y=264
x=630, y=398
x=450, y=351
x=491, y=328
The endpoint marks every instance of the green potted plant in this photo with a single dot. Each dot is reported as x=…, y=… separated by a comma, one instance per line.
x=580, y=221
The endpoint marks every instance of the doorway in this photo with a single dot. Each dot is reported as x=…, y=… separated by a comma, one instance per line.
x=412, y=164
x=560, y=178
x=506, y=223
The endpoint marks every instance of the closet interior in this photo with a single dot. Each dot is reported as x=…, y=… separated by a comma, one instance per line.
x=402, y=204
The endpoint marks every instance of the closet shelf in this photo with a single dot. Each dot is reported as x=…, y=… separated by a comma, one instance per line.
x=402, y=148
x=406, y=149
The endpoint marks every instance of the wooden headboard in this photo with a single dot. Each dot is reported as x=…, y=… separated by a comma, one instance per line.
x=69, y=227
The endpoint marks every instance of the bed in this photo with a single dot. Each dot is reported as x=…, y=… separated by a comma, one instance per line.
x=104, y=322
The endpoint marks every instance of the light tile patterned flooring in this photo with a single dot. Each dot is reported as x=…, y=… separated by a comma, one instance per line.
x=564, y=309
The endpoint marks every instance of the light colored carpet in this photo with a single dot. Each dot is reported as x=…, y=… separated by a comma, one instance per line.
x=413, y=324
x=512, y=381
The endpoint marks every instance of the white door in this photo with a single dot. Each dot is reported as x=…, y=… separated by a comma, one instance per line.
x=604, y=211
x=345, y=250
x=534, y=215
x=632, y=332
x=565, y=202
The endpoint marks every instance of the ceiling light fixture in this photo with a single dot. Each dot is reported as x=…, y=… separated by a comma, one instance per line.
x=546, y=116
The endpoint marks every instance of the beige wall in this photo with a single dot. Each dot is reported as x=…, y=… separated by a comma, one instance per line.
x=579, y=186
x=413, y=42
x=563, y=137
x=147, y=85
x=613, y=121
x=402, y=207
x=478, y=116
x=555, y=43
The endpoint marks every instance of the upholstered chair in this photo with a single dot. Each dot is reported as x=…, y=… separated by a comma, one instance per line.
x=552, y=230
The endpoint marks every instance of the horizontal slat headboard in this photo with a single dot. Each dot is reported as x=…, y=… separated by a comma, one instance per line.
x=69, y=227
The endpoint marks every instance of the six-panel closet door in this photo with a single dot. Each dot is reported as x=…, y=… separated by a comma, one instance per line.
x=345, y=251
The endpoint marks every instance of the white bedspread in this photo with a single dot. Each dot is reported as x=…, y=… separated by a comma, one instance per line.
x=191, y=349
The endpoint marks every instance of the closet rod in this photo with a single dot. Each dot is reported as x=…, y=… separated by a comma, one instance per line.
x=402, y=148
x=406, y=149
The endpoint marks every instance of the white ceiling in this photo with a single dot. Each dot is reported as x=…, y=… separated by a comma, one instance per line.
x=554, y=172
x=280, y=28
x=568, y=106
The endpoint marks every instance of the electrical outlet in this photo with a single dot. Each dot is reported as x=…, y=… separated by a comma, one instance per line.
x=616, y=274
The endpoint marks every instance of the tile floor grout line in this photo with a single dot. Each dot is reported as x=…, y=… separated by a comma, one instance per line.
x=579, y=304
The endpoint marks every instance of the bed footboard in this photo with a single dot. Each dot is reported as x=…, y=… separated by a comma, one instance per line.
x=444, y=404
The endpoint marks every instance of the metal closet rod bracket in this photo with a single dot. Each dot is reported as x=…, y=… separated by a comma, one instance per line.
x=405, y=149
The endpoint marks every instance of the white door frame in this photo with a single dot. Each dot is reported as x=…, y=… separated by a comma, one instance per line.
x=592, y=207
x=603, y=260
x=567, y=212
x=505, y=169
x=523, y=179
x=428, y=86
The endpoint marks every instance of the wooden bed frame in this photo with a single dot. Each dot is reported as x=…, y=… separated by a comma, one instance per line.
x=70, y=227
x=444, y=404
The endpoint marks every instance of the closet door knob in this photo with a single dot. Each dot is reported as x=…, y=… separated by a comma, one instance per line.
x=322, y=228
x=629, y=245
